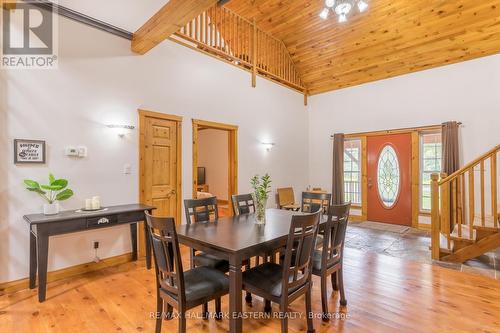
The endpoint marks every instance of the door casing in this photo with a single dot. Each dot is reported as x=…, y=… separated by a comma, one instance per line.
x=232, y=132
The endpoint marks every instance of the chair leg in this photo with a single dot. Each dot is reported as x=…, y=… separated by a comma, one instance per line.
x=334, y=281
x=284, y=320
x=218, y=309
x=248, y=297
x=159, y=313
x=169, y=312
x=309, y=313
x=267, y=306
x=182, y=322
x=205, y=314
x=340, y=275
x=324, y=298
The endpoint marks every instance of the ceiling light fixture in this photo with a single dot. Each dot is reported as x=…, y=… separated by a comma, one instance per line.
x=342, y=8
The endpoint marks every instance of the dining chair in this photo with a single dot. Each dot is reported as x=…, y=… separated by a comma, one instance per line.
x=284, y=283
x=328, y=261
x=243, y=203
x=174, y=287
x=204, y=210
x=286, y=199
x=314, y=201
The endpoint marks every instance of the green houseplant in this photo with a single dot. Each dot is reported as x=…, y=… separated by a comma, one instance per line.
x=56, y=190
x=262, y=188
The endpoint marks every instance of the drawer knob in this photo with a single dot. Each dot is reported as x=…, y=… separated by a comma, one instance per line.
x=103, y=220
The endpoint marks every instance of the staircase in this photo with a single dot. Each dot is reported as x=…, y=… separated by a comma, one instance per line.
x=465, y=215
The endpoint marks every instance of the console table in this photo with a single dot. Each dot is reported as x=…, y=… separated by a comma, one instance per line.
x=41, y=227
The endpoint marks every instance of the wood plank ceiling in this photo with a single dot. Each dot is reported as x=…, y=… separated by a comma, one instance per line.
x=393, y=37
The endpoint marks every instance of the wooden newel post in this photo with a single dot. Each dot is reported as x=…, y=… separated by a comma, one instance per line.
x=435, y=216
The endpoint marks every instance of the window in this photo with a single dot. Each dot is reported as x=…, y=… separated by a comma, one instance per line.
x=388, y=176
x=430, y=162
x=352, y=171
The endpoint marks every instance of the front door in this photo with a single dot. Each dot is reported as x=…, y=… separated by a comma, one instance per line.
x=389, y=178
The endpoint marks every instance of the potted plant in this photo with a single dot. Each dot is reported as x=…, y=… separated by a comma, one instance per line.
x=262, y=188
x=54, y=192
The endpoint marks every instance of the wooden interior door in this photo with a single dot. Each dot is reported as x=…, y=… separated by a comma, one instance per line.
x=389, y=178
x=160, y=164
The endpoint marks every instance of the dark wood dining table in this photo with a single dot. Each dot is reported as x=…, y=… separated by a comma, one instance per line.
x=235, y=239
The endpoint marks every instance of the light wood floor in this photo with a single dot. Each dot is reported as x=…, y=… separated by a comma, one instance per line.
x=384, y=295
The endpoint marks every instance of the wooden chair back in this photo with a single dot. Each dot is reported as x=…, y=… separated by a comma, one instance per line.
x=334, y=236
x=243, y=204
x=201, y=210
x=297, y=263
x=285, y=196
x=314, y=201
x=168, y=262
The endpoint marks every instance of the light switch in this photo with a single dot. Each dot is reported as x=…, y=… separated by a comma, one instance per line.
x=127, y=169
x=82, y=151
x=71, y=151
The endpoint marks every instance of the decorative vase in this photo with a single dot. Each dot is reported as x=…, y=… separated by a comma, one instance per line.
x=51, y=209
x=260, y=211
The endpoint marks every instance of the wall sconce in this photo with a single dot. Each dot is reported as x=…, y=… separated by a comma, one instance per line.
x=121, y=130
x=268, y=145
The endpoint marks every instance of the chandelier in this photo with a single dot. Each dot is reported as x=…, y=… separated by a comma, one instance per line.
x=342, y=8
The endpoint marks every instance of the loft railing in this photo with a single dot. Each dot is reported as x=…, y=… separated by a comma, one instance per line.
x=226, y=35
x=456, y=196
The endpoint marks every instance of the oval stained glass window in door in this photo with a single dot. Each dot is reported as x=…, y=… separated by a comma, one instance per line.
x=388, y=177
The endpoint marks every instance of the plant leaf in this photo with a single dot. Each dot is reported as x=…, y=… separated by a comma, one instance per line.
x=62, y=183
x=64, y=195
x=52, y=179
x=52, y=187
x=31, y=183
x=37, y=190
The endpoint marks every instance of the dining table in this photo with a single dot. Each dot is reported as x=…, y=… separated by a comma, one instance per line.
x=236, y=238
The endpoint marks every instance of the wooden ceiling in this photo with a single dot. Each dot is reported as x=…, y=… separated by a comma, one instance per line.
x=393, y=37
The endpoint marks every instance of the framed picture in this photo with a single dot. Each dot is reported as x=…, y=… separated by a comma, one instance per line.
x=29, y=151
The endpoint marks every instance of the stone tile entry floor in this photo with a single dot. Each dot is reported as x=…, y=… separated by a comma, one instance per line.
x=413, y=244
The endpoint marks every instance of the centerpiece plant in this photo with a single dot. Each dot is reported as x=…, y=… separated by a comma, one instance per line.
x=262, y=188
x=53, y=192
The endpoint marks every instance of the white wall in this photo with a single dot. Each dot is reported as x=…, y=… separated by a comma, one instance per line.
x=213, y=154
x=466, y=92
x=99, y=81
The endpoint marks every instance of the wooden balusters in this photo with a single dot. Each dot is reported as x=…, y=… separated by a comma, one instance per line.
x=471, y=189
x=435, y=217
x=454, y=207
x=481, y=170
x=234, y=39
x=494, y=198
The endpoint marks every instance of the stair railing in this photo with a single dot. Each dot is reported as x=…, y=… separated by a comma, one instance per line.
x=453, y=201
x=230, y=37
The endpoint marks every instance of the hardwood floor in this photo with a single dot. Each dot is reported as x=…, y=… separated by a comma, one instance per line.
x=384, y=294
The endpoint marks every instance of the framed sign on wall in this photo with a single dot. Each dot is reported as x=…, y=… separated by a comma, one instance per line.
x=29, y=151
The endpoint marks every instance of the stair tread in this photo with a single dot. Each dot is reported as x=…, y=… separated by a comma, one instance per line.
x=465, y=235
x=443, y=244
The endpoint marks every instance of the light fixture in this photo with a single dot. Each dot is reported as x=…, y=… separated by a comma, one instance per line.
x=268, y=145
x=324, y=13
x=362, y=6
x=121, y=130
x=329, y=3
x=342, y=8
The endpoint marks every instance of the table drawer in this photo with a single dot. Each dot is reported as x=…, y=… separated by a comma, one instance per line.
x=130, y=217
x=101, y=221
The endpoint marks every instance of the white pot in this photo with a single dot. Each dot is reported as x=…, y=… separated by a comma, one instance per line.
x=51, y=209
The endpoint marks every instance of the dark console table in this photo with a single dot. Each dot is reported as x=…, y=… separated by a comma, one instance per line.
x=43, y=226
